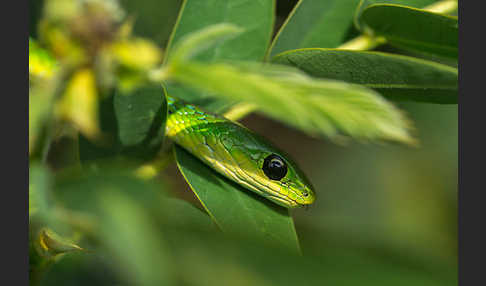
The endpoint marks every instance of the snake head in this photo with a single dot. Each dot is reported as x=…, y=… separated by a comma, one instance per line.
x=288, y=186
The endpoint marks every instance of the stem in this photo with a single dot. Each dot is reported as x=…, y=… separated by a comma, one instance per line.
x=362, y=43
x=443, y=7
x=159, y=75
x=239, y=111
x=366, y=42
x=151, y=169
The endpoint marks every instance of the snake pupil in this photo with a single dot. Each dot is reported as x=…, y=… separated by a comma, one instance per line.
x=274, y=167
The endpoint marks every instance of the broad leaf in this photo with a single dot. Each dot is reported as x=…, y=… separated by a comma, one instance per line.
x=141, y=117
x=365, y=3
x=235, y=209
x=316, y=106
x=154, y=19
x=413, y=29
x=124, y=222
x=125, y=210
x=315, y=24
x=132, y=123
x=199, y=42
x=254, y=18
x=396, y=77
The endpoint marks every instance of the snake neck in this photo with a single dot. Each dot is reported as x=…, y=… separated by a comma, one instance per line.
x=174, y=104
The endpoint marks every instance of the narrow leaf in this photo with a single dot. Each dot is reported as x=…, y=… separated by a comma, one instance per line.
x=51, y=244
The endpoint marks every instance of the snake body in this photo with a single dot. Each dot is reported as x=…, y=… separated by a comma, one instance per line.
x=238, y=154
x=226, y=146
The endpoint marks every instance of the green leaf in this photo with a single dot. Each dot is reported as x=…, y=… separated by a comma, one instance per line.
x=205, y=100
x=366, y=3
x=315, y=24
x=39, y=183
x=201, y=40
x=40, y=105
x=150, y=22
x=413, y=29
x=317, y=106
x=41, y=63
x=396, y=77
x=133, y=125
x=145, y=262
x=42, y=88
x=235, y=209
x=255, y=18
x=189, y=46
x=79, y=103
x=141, y=117
x=51, y=244
x=126, y=212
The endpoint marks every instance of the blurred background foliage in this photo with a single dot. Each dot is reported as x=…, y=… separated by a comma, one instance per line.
x=385, y=215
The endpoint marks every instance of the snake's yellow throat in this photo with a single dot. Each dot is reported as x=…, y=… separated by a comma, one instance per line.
x=239, y=154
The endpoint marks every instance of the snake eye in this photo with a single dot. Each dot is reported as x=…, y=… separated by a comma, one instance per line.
x=274, y=167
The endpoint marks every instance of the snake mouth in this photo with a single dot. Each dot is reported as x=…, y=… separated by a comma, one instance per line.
x=284, y=201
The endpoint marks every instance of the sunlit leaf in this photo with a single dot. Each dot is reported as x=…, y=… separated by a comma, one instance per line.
x=79, y=104
x=52, y=244
x=138, y=53
x=42, y=84
x=316, y=106
x=41, y=63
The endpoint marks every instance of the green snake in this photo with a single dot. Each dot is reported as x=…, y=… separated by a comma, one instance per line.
x=226, y=146
x=238, y=154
